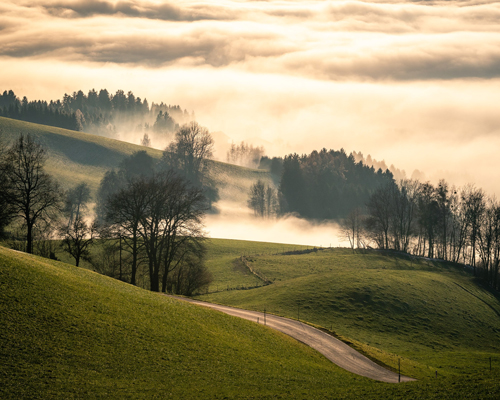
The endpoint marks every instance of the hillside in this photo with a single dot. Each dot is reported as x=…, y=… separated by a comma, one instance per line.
x=75, y=157
x=71, y=333
x=432, y=314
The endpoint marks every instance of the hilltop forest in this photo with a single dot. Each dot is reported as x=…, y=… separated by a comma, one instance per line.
x=100, y=112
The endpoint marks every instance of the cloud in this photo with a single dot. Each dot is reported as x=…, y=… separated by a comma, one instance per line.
x=329, y=41
x=136, y=9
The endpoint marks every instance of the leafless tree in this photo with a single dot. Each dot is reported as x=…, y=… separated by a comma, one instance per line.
x=257, y=199
x=474, y=205
x=351, y=228
x=76, y=199
x=173, y=217
x=29, y=190
x=77, y=238
x=124, y=211
x=192, y=144
x=380, y=212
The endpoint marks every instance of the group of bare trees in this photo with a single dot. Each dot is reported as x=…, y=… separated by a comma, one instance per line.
x=153, y=210
x=245, y=154
x=159, y=217
x=263, y=200
x=157, y=211
x=458, y=225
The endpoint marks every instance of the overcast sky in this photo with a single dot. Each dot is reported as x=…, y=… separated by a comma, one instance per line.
x=414, y=83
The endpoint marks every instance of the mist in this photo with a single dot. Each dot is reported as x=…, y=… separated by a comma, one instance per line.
x=235, y=221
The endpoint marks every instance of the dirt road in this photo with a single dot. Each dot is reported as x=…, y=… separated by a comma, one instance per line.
x=332, y=348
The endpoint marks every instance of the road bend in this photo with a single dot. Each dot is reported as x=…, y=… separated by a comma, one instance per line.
x=332, y=348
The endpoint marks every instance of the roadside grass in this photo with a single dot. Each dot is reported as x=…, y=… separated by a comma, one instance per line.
x=432, y=315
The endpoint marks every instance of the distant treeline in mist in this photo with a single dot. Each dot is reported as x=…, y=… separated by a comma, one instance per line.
x=96, y=112
x=322, y=185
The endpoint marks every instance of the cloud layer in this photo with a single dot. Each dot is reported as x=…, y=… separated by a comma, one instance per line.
x=322, y=40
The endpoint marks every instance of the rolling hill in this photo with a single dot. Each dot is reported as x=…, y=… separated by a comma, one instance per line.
x=433, y=314
x=75, y=157
x=71, y=333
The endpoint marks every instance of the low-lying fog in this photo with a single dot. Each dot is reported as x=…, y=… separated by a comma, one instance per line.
x=235, y=221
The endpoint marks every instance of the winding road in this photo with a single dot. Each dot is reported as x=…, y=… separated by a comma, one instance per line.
x=332, y=348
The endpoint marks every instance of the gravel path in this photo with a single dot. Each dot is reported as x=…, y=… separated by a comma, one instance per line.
x=332, y=348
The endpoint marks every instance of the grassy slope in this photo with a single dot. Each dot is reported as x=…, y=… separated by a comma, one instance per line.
x=67, y=332
x=76, y=157
x=431, y=314
x=70, y=333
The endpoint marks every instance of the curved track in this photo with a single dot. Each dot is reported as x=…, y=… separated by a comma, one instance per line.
x=332, y=348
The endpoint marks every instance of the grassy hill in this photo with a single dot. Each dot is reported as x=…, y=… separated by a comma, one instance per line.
x=432, y=314
x=71, y=333
x=76, y=157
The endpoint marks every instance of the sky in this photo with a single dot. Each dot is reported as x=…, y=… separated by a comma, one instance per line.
x=414, y=83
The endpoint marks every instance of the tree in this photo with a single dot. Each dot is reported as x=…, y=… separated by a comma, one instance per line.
x=7, y=212
x=262, y=199
x=257, y=200
x=474, y=204
x=125, y=209
x=379, y=215
x=77, y=238
x=171, y=225
x=76, y=200
x=146, y=141
x=192, y=144
x=351, y=228
x=30, y=191
x=191, y=275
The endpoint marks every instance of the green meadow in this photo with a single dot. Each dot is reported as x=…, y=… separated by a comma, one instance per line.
x=432, y=315
x=71, y=333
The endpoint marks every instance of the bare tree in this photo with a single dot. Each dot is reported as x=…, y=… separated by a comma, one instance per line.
x=192, y=144
x=173, y=217
x=351, y=228
x=380, y=212
x=474, y=205
x=190, y=276
x=124, y=211
x=404, y=201
x=263, y=199
x=30, y=191
x=76, y=200
x=77, y=239
x=146, y=141
x=257, y=199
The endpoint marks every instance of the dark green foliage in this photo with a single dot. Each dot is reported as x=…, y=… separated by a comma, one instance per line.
x=96, y=113
x=327, y=184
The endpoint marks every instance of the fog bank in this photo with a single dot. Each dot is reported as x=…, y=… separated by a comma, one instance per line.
x=237, y=222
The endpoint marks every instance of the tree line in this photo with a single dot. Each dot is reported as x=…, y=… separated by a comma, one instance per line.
x=460, y=225
x=152, y=211
x=321, y=185
x=97, y=112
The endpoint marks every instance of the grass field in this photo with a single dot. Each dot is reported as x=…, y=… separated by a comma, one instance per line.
x=431, y=314
x=75, y=157
x=71, y=333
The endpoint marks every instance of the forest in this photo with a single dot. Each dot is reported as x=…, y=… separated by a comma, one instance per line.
x=100, y=112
